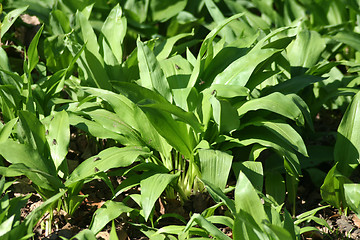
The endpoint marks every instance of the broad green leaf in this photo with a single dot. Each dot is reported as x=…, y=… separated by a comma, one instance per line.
x=215, y=166
x=205, y=54
x=6, y=225
x=306, y=49
x=224, y=220
x=90, y=61
x=283, y=131
x=109, y=158
x=44, y=182
x=332, y=190
x=163, y=50
x=295, y=84
x=151, y=189
x=138, y=10
x=114, y=29
x=6, y=129
x=85, y=235
x=147, y=99
x=108, y=212
x=351, y=191
x=224, y=115
x=347, y=147
x=58, y=137
x=275, y=102
x=159, y=112
x=218, y=17
x=209, y=227
x=33, y=56
x=59, y=22
x=218, y=196
x=225, y=91
x=32, y=132
x=112, y=122
x=15, y=152
x=94, y=128
x=303, y=108
x=247, y=200
x=87, y=34
x=161, y=10
x=9, y=19
x=131, y=114
x=252, y=170
x=254, y=135
x=113, y=233
x=240, y=71
x=177, y=71
x=275, y=187
x=151, y=74
x=349, y=38
x=277, y=231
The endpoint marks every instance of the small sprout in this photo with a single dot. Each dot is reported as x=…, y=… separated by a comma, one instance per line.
x=96, y=159
x=54, y=142
x=96, y=169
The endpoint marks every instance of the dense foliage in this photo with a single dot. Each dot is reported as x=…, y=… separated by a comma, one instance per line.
x=180, y=98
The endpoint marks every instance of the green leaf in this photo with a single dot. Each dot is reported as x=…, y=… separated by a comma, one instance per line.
x=32, y=132
x=209, y=227
x=113, y=234
x=151, y=74
x=239, y=72
x=205, y=54
x=218, y=196
x=215, y=166
x=160, y=114
x=9, y=19
x=85, y=235
x=275, y=102
x=6, y=129
x=131, y=114
x=224, y=115
x=108, y=212
x=218, y=17
x=151, y=189
x=114, y=30
x=109, y=158
x=15, y=152
x=162, y=10
x=275, y=187
x=252, y=170
x=33, y=56
x=283, y=131
x=247, y=200
x=349, y=38
x=332, y=190
x=163, y=50
x=39, y=212
x=225, y=91
x=351, y=191
x=6, y=225
x=59, y=137
x=90, y=61
x=94, y=128
x=306, y=49
x=347, y=147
